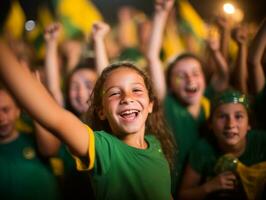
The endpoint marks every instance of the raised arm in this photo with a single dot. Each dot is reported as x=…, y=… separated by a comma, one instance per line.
x=126, y=27
x=223, y=24
x=40, y=105
x=51, y=35
x=255, y=55
x=240, y=75
x=220, y=77
x=99, y=32
x=162, y=10
x=47, y=143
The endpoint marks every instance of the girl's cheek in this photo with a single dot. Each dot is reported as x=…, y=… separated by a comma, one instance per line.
x=177, y=81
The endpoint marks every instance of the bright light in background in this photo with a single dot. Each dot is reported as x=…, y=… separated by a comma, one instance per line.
x=29, y=25
x=229, y=8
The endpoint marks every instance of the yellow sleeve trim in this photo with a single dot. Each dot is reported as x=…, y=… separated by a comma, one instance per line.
x=91, y=153
x=206, y=106
x=91, y=148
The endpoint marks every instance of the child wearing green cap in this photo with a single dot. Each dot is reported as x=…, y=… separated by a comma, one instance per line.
x=221, y=165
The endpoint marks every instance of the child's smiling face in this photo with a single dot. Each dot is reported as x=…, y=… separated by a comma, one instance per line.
x=230, y=124
x=187, y=81
x=81, y=86
x=125, y=102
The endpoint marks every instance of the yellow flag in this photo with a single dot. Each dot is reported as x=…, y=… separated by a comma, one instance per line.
x=172, y=42
x=77, y=16
x=193, y=20
x=15, y=20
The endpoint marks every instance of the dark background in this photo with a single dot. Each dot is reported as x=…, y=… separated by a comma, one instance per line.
x=254, y=10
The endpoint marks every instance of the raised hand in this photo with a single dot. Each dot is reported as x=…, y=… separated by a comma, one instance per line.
x=52, y=32
x=100, y=30
x=222, y=22
x=213, y=44
x=163, y=5
x=239, y=34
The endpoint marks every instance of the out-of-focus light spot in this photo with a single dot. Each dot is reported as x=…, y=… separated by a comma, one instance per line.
x=229, y=8
x=30, y=25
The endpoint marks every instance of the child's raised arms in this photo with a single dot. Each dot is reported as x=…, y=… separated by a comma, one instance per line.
x=255, y=56
x=99, y=32
x=36, y=100
x=162, y=10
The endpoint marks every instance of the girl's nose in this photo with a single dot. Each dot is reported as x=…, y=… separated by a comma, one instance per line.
x=126, y=98
x=189, y=78
x=230, y=121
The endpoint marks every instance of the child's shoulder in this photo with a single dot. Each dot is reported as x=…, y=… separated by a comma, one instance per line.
x=257, y=135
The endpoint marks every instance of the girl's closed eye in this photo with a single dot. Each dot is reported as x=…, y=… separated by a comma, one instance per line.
x=239, y=116
x=137, y=90
x=113, y=93
x=221, y=116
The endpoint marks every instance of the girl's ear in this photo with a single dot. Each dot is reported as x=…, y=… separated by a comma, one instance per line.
x=101, y=114
x=150, y=109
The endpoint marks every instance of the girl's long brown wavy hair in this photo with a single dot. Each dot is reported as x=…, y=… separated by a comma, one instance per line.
x=155, y=123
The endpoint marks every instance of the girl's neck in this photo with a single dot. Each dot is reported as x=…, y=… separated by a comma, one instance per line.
x=194, y=110
x=237, y=150
x=135, y=140
x=9, y=138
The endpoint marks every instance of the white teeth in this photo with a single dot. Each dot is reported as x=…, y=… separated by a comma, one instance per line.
x=128, y=112
x=191, y=88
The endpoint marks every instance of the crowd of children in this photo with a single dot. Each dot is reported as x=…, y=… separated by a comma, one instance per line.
x=106, y=127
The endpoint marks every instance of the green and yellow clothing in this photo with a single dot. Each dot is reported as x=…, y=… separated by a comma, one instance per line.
x=204, y=156
x=120, y=171
x=185, y=129
x=73, y=183
x=23, y=173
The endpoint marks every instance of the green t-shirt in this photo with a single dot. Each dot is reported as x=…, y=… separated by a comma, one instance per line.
x=124, y=172
x=185, y=129
x=205, y=154
x=23, y=174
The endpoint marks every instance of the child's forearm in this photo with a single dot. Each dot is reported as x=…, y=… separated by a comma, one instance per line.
x=195, y=193
x=37, y=101
x=153, y=54
x=240, y=74
x=101, y=57
x=52, y=72
x=255, y=55
x=220, y=79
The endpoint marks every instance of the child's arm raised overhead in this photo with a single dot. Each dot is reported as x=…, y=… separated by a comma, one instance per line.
x=220, y=78
x=223, y=23
x=162, y=9
x=52, y=72
x=255, y=55
x=240, y=75
x=37, y=101
x=99, y=32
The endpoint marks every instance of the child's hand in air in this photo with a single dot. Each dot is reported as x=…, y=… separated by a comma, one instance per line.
x=239, y=34
x=100, y=30
x=52, y=32
x=164, y=5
